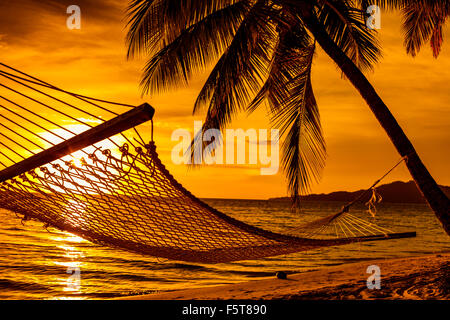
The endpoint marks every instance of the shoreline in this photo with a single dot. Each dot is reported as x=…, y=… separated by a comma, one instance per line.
x=416, y=277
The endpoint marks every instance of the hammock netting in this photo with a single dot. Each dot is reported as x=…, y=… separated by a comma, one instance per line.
x=116, y=191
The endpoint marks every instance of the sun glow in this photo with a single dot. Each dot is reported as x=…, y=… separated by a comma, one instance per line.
x=77, y=162
x=80, y=157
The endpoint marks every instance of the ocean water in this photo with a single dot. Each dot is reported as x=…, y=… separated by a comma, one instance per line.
x=37, y=264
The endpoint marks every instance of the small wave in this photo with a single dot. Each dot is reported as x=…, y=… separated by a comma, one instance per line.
x=174, y=265
x=354, y=259
x=10, y=285
x=13, y=229
x=186, y=266
x=251, y=274
x=133, y=277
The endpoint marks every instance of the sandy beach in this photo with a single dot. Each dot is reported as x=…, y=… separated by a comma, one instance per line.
x=423, y=277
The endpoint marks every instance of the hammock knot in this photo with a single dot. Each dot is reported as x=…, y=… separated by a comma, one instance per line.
x=106, y=153
x=150, y=146
x=24, y=177
x=56, y=166
x=139, y=150
x=44, y=170
x=93, y=157
x=124, y=149
x=69, y=164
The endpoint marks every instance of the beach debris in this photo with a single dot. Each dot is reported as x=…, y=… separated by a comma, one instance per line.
x=281, y=275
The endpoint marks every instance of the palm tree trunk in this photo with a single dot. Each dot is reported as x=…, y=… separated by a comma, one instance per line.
x=435, y=197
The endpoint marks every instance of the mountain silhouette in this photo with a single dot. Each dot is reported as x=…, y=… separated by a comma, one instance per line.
x=398, y=191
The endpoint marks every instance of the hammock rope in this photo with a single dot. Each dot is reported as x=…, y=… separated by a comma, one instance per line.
x=342, y=218
x=118, y=193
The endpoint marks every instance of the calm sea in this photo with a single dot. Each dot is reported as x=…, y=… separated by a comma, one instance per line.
x=37, y=264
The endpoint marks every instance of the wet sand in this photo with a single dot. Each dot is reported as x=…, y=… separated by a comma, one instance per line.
x=424, y=277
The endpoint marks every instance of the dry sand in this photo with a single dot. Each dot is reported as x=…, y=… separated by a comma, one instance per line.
x=424, y=277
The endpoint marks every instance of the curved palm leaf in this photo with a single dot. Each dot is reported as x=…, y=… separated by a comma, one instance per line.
x=422, y=21
x=193, y=49
x=239, y=73
x=242, y=68
x=283, y=68
x=294, y=109
x=346, y=26
x=154, y=23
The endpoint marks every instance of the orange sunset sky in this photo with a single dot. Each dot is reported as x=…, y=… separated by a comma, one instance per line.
x=92, y=61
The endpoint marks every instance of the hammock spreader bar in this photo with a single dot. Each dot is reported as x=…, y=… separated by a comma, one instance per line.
x=123, y=122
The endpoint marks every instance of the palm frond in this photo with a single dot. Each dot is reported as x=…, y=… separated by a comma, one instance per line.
x=285, y=65
x=383, y=4
x=193, y=49
x=347, y=28
x=303, y=148
x=395, y=4
x=143, y=31
x=154, y=23
x=239, y=73
x=294, y=109
x=437, y=39
x=242, y=68
x=422, y=22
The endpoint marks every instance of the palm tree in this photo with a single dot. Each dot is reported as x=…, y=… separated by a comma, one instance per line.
x=263, y=51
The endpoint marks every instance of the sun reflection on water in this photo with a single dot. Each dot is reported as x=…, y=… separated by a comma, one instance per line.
x=72, y=261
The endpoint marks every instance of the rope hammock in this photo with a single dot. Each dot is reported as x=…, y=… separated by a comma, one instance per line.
x=104, y=183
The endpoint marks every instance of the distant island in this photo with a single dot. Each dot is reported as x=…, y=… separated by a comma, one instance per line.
x=398, y=191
